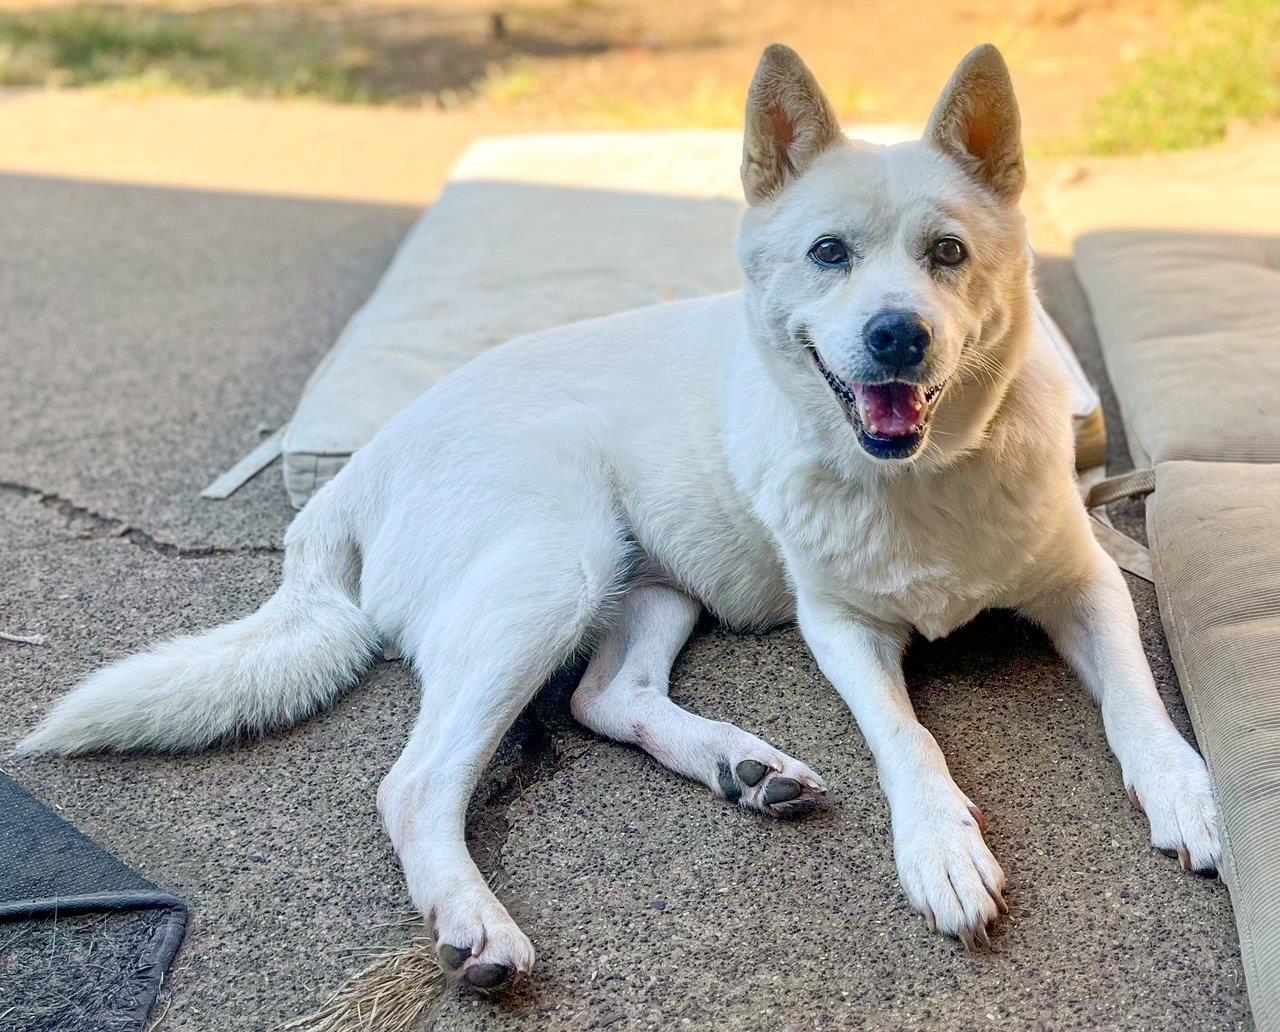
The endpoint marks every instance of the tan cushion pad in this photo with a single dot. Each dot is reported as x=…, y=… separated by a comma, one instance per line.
x=1180, y=257
x=532, y=232
x=1191, y=330
x=1215, y=543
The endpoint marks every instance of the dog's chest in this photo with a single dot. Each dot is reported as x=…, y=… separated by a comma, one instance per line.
x=929, y=555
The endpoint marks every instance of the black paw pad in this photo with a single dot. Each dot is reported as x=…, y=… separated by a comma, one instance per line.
x=751, y=771
x=782, y=790
x=452, y=957
x=487, y=976
x=727, y=785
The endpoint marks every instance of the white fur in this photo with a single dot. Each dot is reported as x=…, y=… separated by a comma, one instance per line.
x=608, y=478
x=623, y=696
x=267, y=670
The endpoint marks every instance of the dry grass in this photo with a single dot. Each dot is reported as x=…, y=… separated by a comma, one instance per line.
x=153, y=49
x=389, y=995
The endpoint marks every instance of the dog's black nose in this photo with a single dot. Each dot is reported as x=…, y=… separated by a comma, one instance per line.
x=897, y=338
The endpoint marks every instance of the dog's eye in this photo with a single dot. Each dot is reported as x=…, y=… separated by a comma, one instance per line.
x=948, y=251
x=830, y=252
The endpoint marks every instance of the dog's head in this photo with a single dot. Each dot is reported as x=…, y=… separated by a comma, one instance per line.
x=888, y=286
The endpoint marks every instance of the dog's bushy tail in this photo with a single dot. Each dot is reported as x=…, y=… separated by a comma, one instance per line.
x=271, y=668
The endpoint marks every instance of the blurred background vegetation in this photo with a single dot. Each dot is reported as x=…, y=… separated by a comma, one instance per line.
x=1221, y=64
x=1095, y=76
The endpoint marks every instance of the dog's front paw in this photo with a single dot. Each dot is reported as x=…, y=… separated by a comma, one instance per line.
x=946, y=868
x=1170, y=783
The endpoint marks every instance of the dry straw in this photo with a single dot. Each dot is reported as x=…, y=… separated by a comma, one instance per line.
x=389, y=995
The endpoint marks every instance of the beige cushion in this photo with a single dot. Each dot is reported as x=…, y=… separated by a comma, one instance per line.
x=1192, y=325
x=1180, y=257
x=1215, y=543
x=532, y=232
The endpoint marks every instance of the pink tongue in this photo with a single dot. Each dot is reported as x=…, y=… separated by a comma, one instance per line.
x=890, y=409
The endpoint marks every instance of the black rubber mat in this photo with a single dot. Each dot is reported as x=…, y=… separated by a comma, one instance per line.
x=86, y=941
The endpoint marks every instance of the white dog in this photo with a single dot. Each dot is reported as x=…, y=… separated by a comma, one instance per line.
x=864, y=440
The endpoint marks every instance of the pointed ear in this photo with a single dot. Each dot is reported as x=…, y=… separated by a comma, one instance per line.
x=976, y=122
x=789, y=123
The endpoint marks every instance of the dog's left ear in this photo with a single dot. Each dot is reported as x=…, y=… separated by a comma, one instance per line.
x=976, y=121
x=789, y=123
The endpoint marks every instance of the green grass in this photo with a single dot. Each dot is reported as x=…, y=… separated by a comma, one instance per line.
x=1223, y=66
x=162, y=50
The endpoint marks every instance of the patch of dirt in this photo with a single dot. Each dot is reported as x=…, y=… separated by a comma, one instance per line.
x=601, y=63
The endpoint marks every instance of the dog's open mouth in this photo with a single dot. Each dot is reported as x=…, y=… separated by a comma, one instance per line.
x=891, y=419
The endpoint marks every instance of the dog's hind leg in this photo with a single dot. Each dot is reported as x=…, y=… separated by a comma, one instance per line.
x=623, y=695
x=520, y=610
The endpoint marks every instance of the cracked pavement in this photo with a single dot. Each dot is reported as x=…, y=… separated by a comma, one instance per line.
x=147, y=335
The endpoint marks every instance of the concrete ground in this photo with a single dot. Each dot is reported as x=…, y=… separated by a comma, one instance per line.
x=148, y=334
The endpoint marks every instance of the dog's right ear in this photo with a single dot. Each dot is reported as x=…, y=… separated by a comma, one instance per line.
x=789, y=123
x=976, y=122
